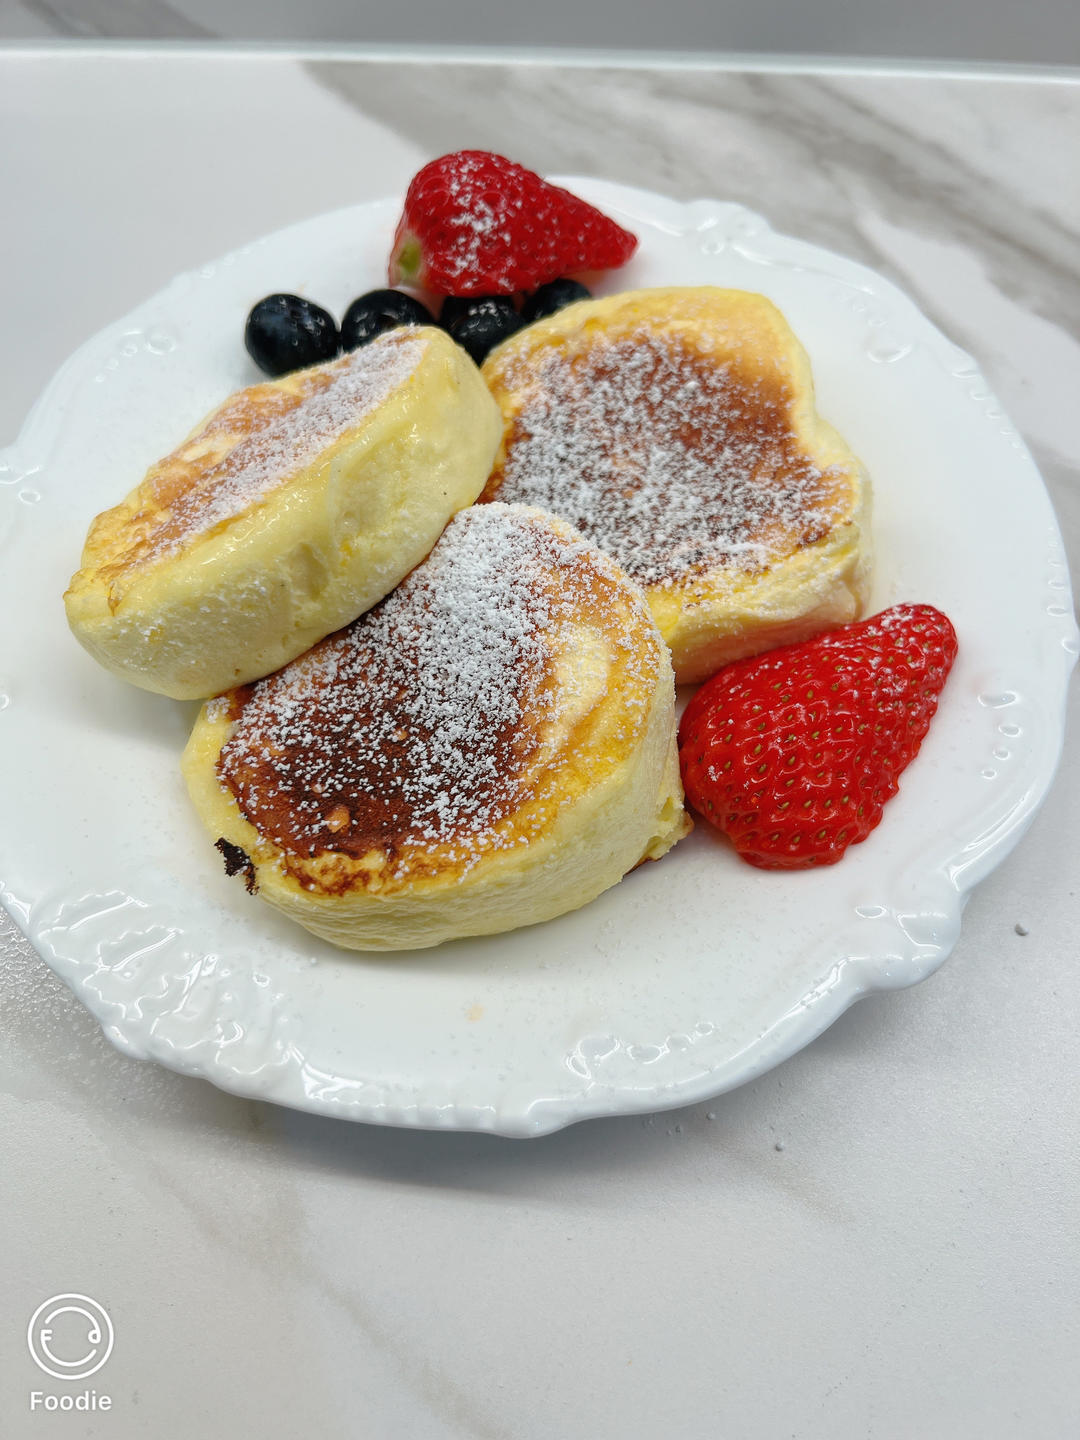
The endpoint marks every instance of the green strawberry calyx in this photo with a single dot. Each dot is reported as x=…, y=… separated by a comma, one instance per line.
x=407, y=259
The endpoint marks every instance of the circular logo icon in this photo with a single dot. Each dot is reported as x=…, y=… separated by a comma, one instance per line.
x=70, y=1337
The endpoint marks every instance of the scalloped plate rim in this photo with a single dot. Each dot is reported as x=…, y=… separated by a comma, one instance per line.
x=851, y=979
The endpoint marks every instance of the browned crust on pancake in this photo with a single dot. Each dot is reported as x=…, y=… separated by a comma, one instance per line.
x=340, y=771
x=669, y=441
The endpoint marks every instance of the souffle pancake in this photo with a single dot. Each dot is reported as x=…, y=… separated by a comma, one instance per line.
x=677, y=429
x=490, y=746
x=290, y=510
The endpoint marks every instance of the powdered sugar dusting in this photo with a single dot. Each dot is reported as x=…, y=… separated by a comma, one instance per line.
x=668, y=458
x=416, y=726
x=263, y=436
x=473, y=218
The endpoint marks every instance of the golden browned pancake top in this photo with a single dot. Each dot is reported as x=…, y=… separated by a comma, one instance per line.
x=406, y=739
x=254, y=442
x=666, y=451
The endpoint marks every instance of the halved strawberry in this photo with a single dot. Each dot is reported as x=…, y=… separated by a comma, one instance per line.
x=792, y=754
x=475, y=223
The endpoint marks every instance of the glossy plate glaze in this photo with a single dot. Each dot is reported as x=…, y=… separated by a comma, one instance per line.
x=691, y=976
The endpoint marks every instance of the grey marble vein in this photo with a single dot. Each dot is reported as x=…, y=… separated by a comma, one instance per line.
x=142, y=19
x=798, y=148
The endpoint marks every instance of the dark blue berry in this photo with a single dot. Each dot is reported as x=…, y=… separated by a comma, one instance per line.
x=551, y=298
x=456, y=307
x=378, y=311
x=285, y=333
x=482, y=323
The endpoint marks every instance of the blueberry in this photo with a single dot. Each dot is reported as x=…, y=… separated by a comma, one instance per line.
x=378, y=311
x=456, y=307
x=285, y=333
x=480, y=323
x=553, y=297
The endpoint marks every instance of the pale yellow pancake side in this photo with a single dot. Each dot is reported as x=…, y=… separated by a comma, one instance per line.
x=191, y=607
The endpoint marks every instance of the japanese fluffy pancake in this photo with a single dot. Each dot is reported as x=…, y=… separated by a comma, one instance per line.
x=290, y=510
x=677, y=429
x=490, y=746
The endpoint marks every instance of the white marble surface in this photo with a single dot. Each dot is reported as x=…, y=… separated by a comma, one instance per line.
x=877, y=1239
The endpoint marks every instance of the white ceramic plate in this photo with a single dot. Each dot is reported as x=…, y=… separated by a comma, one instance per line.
x=692, y=975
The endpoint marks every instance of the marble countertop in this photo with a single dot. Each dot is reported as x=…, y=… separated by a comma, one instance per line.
x=876, y=1239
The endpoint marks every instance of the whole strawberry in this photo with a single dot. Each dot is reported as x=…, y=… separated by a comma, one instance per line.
x=475, y=223
x=793, y=754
